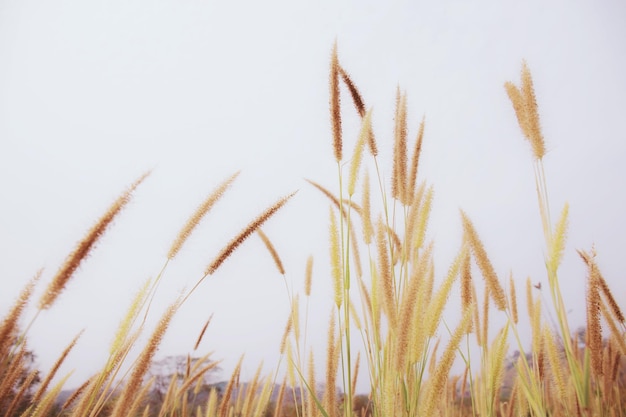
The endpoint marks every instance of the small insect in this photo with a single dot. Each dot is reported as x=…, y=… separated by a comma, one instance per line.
x=537, y=285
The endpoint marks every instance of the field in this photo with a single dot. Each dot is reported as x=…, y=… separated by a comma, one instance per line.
x=386, y=325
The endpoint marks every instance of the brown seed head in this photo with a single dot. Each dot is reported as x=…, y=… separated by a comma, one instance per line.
x=335, y=104
x=44, y=384
x=594, y=327
x=85, y=246
x=399, y=174
x=245, y=233
x=354, y=92
x=201, y=335
x=272, y=250
x=200, y=212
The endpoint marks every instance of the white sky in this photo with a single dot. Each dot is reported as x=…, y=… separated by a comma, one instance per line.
x=92, y=94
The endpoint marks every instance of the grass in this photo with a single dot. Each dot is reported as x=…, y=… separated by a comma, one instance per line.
x=387, y=298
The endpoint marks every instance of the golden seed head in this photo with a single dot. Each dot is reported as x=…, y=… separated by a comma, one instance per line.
x=335, y=259
x=399, y=174
x=466, y=279
x=513, y=298
x=197, y=216
x=495, y=289
x=366, y=211
x=414, y=164
x=308, y=277
x=525, y=106
x=386, y=276
x=438, y=381
x=357, y=156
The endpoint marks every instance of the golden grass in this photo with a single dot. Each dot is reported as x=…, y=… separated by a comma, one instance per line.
x=526, y=110
x=197, y=216
x=398, y=309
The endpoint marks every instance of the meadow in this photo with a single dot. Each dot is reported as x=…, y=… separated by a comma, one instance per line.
x=386, y=325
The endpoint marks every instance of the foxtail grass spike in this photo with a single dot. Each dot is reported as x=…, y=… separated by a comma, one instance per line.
x=84, y=247
x=245, y=233
x=199, y=214
x=335, y=105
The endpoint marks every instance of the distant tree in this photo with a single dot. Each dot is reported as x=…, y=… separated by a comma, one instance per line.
x=180, y=368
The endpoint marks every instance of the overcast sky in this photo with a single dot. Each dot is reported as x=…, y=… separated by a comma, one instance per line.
x=93, y=94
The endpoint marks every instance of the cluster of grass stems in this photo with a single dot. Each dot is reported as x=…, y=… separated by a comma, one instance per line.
x=385, y=295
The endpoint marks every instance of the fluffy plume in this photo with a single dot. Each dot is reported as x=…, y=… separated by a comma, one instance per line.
x=594, y=327
x=335, y=259
x=386, y=276
x=513, y=299
x=332, y=362
x=399, y=174
x=525, y=106
x=357, y=156
x=495, y=289
x=415, y=162
x=272, y=250
x=335, y=105
x=354, y=92
x=308, y=277
x=366, y=212
x=245, y=233
x=84, y=247
x=200, y=212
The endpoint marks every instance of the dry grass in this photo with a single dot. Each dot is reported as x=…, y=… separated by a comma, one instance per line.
x=398, y=309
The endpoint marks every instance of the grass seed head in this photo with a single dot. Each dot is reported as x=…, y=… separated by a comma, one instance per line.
x=525, y=106
x=335, y=105
x=197, y=216
x=354, y=92
x=245, y=233
x=495, y=289
x=272, y=250
x=308, y=276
